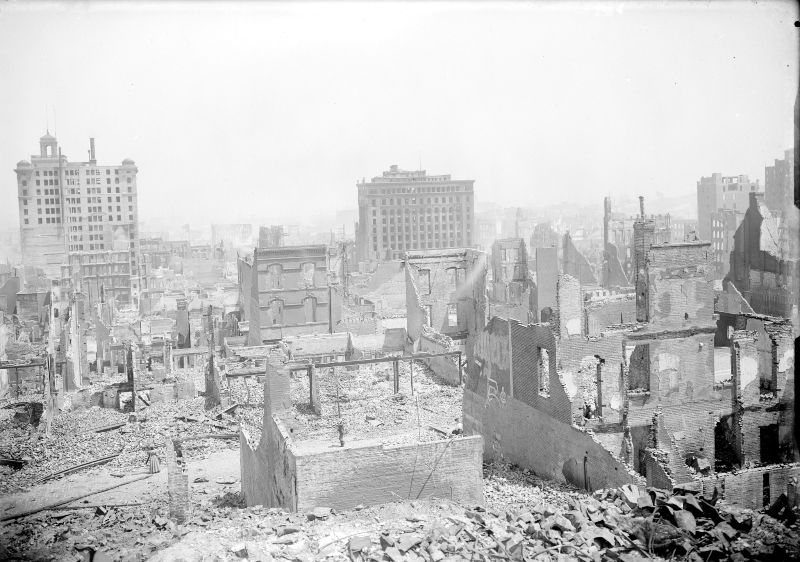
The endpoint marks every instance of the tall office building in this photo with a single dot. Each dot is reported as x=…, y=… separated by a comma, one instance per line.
x=409, y=210
x=779, y=183
x=67, y=207
x=721, y=192
x=721, y=204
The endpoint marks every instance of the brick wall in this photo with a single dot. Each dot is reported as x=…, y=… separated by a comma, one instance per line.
x=745, y=488
x=681, y=292
x=268, y=468
x=368, y=475
x=574, y=358
x=502, y=402
x=570, y=307
x=456, y=277
x=643, y=234
x=609, y=313
x=521, y=434
x=763, y=365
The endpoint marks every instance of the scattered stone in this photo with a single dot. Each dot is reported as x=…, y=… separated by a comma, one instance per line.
x=359, y=543
x=240, y=550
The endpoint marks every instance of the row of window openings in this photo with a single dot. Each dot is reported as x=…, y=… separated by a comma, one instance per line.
x=309, y=310
x=79, y=237
x=421, y=245
x=77, y=191
x=451, y=314
x=426, y=211
x=88, y=172
x=96, y=190
x=90, y=228
x=92, y=218
x=444, y=189
x=47, y=220
x=80, y=247
x=455, y=278
x=99, y=246
x=430, y=218
x=421, y=225
x=77, y=210
x=274, y=278
x=399, y=238
x=445, y=199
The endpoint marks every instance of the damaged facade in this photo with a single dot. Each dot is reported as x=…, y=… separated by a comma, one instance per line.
x=513, y=292
x=289, y=292
x=764, y=264
x=634, y=385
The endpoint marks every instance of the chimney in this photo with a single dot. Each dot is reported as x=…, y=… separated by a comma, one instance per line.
x=92, y=159
x=641, y=206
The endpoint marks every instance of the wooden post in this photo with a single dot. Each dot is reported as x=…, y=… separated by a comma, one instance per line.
x=599, y=413
x=396, y=369
x=212, y=383
x=129, y=371
x=411, y=368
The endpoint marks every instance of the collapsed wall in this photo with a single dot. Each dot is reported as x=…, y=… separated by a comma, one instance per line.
x=517, y=400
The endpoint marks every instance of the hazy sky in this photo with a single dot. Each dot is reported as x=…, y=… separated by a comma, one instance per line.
x=237, y=111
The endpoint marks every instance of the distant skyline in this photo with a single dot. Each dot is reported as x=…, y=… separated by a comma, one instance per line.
x=248, y=110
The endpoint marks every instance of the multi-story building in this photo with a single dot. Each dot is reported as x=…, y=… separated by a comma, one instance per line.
x=67, y=207
x=723, y=227
x=779, y=183
x=410, y=210
x=287, y=293
x=102, y=275
x=721, y=192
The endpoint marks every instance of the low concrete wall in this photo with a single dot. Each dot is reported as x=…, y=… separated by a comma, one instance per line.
x=444, y=367
x=373, y=474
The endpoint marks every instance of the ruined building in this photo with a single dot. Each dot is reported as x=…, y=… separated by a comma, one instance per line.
x=102, y=276
x=765, y=260
x=721, y=204
x=67, y=207
x=588, y=400
x=513, y=292
x=617, y=267
x=286, y=292
x=779, y=183
x=337, y=435
x=409, y=210
x=446, y=291
x=575, y=263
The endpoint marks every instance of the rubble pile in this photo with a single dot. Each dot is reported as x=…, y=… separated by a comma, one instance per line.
x=524, y=519
x=364, y=401
x=83, y=435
